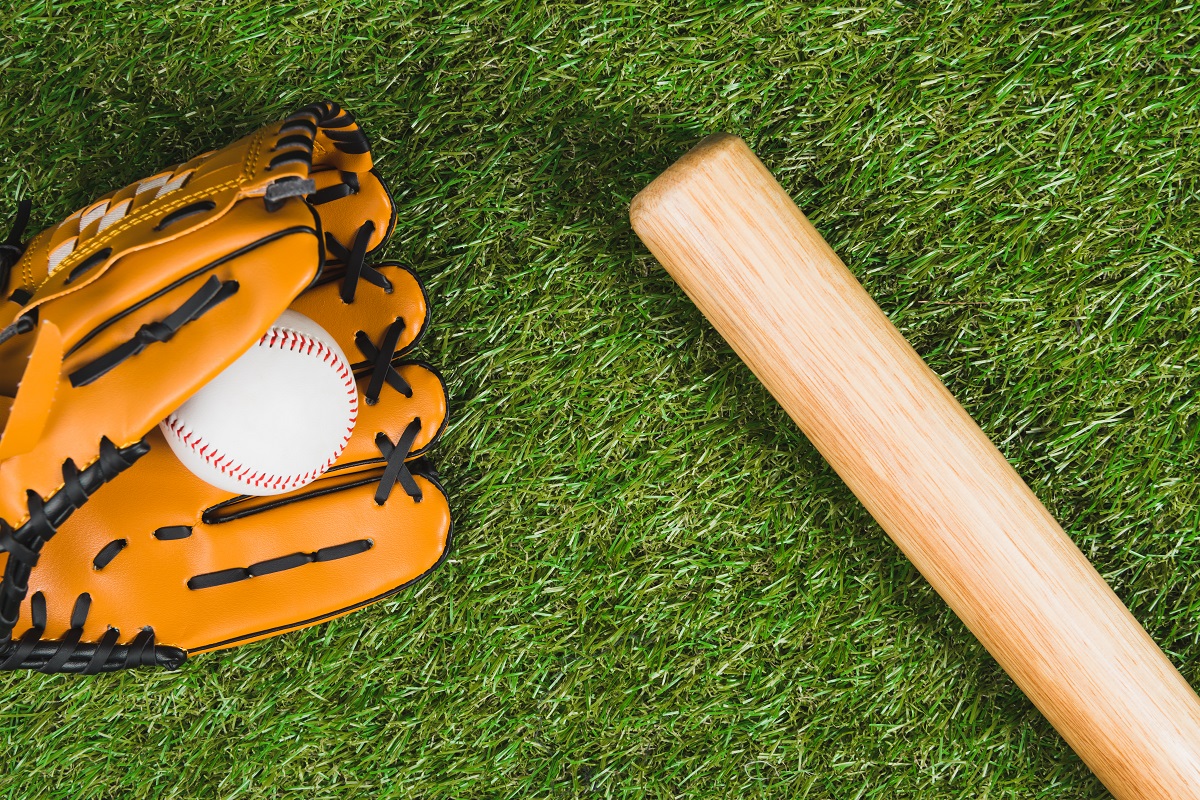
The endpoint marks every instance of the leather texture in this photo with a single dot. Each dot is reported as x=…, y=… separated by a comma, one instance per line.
x=119, y=314
x=146, y=583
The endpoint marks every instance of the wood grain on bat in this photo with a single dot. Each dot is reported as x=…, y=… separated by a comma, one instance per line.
x=746, y=255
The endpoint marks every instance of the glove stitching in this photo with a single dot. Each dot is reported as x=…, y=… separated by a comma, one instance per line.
x=151, y=209
x=249, y=166
x=92, y=245
x=34, y=244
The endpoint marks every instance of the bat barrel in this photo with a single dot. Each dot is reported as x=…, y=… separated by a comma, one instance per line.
x=745, y=254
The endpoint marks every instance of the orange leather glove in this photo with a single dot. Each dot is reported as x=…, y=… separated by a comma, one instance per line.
x=123, y=311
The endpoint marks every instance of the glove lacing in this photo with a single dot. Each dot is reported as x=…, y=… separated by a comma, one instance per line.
x=23, y=546
x=69, y=654
x=381, y=356
x=12, y=248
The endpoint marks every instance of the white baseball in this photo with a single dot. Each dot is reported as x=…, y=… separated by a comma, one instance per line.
x=275, y=419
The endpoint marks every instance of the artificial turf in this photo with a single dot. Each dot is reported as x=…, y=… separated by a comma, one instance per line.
x=658, y=588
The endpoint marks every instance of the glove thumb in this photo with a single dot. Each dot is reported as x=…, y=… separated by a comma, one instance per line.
x=24, y=416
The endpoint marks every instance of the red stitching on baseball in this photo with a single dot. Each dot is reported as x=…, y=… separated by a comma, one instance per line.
x=291, y=341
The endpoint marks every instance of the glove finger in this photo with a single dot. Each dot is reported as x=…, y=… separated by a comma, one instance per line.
x=361, y=330
x=345, y=201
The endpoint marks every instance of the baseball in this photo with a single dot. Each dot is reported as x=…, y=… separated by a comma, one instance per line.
x=275, y=419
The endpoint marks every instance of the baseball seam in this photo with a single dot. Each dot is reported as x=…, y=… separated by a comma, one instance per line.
x=283, y=339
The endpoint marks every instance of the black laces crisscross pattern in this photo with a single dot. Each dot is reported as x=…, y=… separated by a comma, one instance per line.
x=381, y=362
x=355, y=259
x=381, y=355
x=397, y=470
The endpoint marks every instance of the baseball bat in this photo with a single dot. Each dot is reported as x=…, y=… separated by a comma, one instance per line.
x=745, y=254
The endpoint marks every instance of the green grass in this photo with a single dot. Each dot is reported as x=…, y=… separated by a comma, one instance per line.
x=659, y=589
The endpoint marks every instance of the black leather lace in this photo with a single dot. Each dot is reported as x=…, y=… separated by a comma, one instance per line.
x=380, y=356
x=346, y=186
x=11, y=249
x=381, y=362
x=355, y=259
x=23, y=544
x=69, y=654
x=397, y=470
x=205, y=298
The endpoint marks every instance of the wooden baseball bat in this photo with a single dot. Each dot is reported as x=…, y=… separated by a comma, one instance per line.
x=743, y=252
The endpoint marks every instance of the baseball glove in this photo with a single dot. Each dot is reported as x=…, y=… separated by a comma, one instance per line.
x=118, y=315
